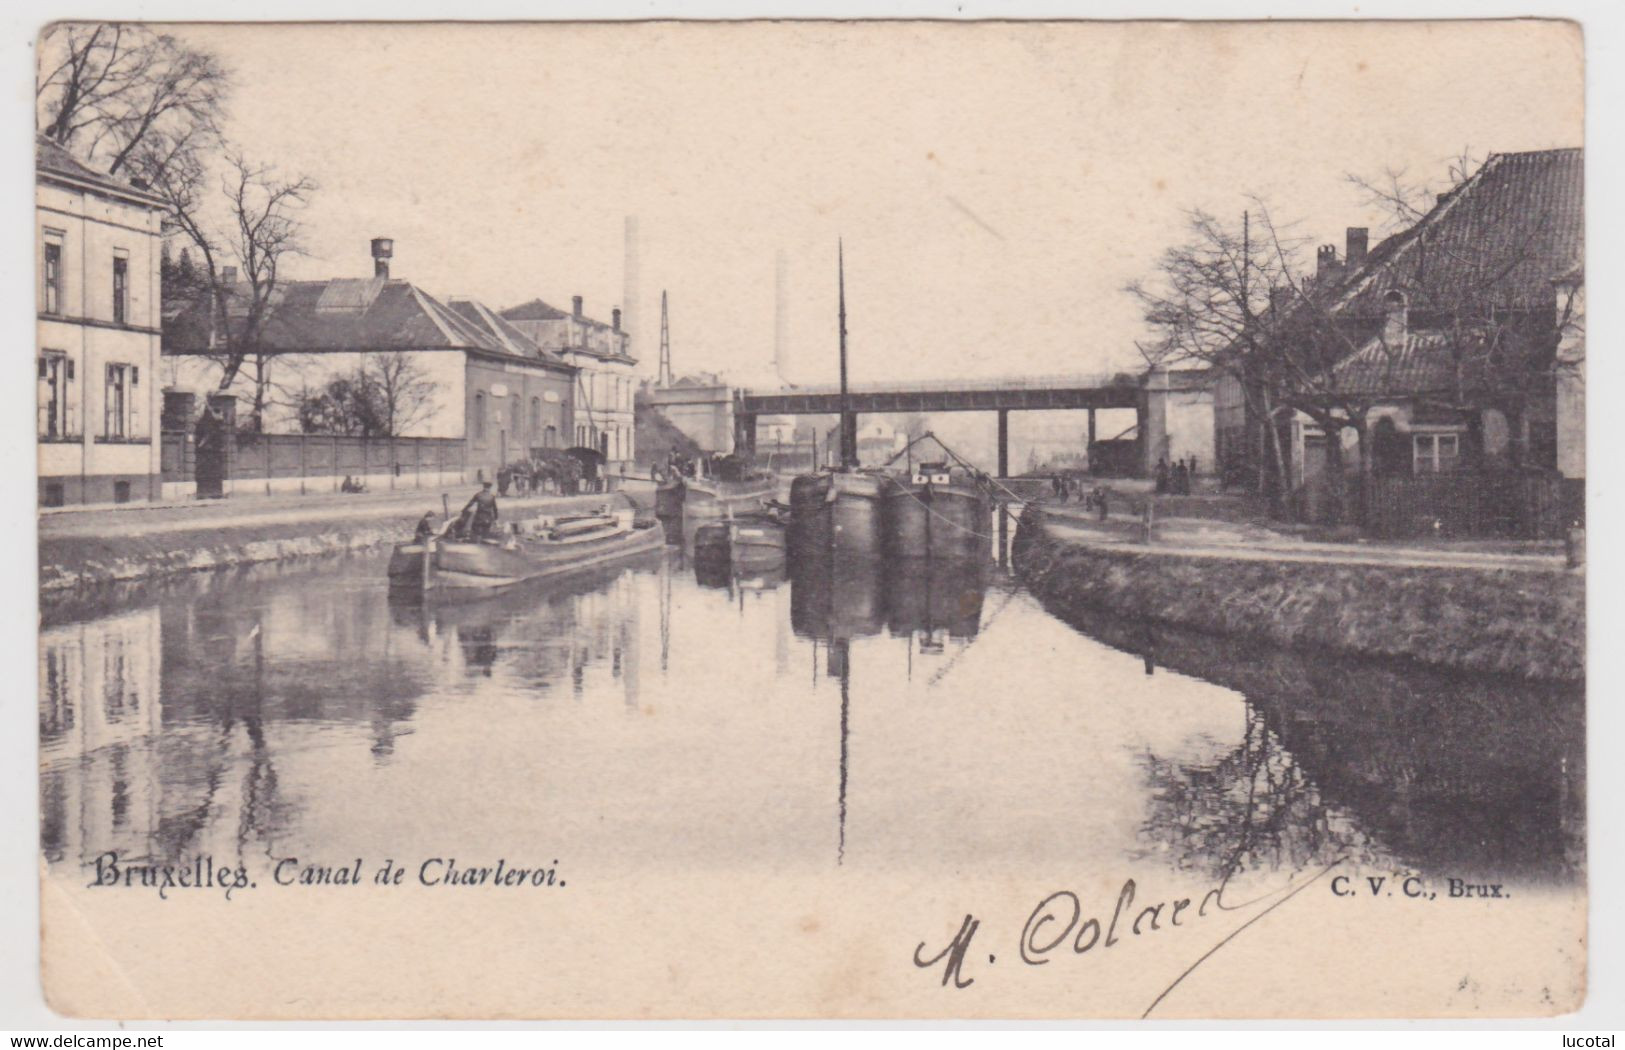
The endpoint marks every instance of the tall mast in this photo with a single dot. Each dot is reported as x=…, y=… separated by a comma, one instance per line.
x=849, y=457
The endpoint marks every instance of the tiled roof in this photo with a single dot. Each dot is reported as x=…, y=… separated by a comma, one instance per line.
x=1502, y=236
x=51, y=157
x=538, y=310
x=1423, y=363
x=495, y=327
x=535, y=310
x=348, y=315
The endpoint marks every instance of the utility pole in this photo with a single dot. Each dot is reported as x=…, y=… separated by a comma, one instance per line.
x=1246, y=261
x=849, y=432
x=665, y=343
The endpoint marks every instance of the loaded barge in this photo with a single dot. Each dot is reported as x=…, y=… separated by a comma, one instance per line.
x=527, y=551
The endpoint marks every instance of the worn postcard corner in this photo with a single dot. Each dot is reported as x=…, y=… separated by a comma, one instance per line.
x=812, y=519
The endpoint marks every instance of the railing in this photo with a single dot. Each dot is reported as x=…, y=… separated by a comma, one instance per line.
x=320, y=458
x=1504, y=506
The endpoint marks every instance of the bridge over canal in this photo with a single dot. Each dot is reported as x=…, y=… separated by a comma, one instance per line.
x=1146, y=394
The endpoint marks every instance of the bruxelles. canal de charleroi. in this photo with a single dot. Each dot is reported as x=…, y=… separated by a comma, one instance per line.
x=202, y=872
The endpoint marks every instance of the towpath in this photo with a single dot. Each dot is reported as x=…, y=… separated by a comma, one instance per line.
x=251, y=512
x=1200, y=538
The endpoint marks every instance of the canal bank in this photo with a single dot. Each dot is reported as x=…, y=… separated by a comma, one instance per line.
x=1513, y=616
x=93, y=548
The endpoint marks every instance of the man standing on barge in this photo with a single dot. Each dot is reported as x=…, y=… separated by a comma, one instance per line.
x=480, y=513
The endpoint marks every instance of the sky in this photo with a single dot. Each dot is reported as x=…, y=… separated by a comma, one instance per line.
x=995, y=185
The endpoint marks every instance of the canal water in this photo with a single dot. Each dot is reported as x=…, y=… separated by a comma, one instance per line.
x=656, y=716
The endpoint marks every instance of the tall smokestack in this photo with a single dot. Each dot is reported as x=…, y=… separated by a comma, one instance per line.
x=631, y=301
x=781, y=312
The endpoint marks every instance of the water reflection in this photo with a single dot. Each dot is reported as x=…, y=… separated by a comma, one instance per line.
x=659, y=714
x=100, y=701
x=1455, y=773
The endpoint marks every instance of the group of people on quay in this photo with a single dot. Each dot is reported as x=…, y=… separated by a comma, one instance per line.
x=1064, y=487
x=1175, y=480
x=555, y=475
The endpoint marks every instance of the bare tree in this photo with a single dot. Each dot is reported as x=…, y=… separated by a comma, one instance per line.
x=258, y=229
x=384, y=395
x=343, y=405
x=124, y=96
x=1210, y=305
x=402, y=389
x=1243, y=303
x=144, y=103
x=1404, y=200
x=264, y=210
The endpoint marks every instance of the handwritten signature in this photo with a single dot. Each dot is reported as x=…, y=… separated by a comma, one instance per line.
x=1058, y=925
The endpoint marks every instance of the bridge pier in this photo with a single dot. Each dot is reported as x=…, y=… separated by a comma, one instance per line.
x=1151, y=415
x=744, y=432
x=1004, y=444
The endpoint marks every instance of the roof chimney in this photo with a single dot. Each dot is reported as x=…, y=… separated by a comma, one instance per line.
x=1356, y=240
x=383, y=249
x=1326, y=265
x=575, y=307
x=615, y=319
x=1395, y=319
x=228, y=275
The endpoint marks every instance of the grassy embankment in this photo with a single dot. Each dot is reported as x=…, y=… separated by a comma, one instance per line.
x=1527, y=624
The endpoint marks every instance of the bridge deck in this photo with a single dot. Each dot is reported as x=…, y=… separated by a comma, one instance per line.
x=1036, y=392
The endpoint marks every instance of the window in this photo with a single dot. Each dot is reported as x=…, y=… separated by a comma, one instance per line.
x=535, y=415
x=119, y=401
x=121, y=289
x=55, y=396
x=479, y=418
x=550, y=439
x=51, y=270
x=1435, y=453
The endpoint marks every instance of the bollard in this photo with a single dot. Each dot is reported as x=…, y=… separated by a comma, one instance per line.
x=1574, y=546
